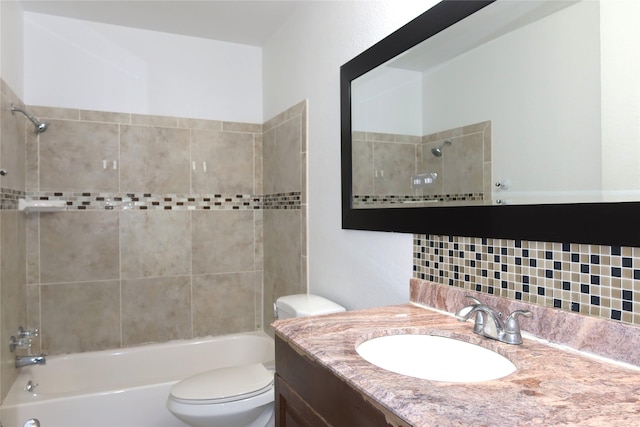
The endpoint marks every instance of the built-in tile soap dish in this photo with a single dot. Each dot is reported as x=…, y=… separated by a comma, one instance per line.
x=41, y=205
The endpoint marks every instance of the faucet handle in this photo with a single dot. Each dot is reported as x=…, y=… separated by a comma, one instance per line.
x=464, y=313
x=27, y=333
x=473, y=299
x=512, y=333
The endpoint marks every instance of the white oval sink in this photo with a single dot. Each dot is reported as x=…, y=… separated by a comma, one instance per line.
x=435, y=358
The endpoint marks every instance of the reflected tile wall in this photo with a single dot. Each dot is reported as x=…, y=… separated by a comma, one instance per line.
x=162, y=235
x=465, y=164
x=13, y=295
x=384, y=166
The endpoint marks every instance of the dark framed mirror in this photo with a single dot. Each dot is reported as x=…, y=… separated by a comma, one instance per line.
x=602, y=219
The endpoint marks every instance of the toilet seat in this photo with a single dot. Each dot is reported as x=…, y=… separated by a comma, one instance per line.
x=223, y=385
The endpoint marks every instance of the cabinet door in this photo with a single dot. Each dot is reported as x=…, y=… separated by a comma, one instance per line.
x=292, y=410
x=309, y=394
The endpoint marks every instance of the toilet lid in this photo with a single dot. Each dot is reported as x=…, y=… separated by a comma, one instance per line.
x=224, y=383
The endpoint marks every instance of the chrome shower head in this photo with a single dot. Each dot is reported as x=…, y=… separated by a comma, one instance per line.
x=438, y=150
x=40, y=126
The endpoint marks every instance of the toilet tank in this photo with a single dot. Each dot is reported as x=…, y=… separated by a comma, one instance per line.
x=302, y=305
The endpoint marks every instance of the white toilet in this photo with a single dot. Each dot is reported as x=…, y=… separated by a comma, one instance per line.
x=239, y=396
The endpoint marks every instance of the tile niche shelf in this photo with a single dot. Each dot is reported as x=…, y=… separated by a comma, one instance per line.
x=41, y=205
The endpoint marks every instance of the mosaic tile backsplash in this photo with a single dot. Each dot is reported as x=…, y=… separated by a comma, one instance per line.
x=594, y=280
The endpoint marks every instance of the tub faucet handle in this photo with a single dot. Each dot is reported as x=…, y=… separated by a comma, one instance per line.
x=27, y=333
x=18, y=343
x=31, y=386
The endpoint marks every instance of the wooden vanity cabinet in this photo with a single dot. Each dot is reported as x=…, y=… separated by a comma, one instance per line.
x=308, y=394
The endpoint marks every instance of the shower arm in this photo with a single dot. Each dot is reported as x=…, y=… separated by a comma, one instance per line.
x=39, y=125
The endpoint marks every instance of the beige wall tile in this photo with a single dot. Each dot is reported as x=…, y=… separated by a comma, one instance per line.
x=155, y=243
x=12, y=148
x=12, y=289
x=12, y=234
x=257, y=301
x=154, y=160
x=241, y=127
x=105, y=117
x=258, y=235
x=223, y=303
x=283, y=254
x=54, y=113
x=33, y=315
x=293, y=111
x=223, y=241
x=199, y=124
x=229, y=162
x=156, y=310
x=281, y=158
x=79, y=246
x=72, y=155
x=33, y=248
x=258, y=172
x=152, y=120
x=32, y=163
x=80, y=317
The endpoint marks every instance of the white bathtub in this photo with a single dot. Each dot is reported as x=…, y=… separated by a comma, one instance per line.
x=124, y=387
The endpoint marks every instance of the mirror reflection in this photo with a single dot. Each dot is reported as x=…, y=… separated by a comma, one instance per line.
x=529, y=102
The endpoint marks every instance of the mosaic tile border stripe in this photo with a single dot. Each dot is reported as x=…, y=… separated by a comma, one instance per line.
x=9, y=198
x=368, y=199
x=282, y=201
x=600, y=281
x=149, y=201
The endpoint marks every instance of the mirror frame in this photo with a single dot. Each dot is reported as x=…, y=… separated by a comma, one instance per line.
x=614, y=224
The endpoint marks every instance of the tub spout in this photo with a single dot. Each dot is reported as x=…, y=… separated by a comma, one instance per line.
x=22, y=361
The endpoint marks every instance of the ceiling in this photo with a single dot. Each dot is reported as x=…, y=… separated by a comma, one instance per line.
x=244, y=22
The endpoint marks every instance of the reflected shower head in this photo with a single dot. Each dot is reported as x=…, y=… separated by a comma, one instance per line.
x=40, y=126
x=438, y=150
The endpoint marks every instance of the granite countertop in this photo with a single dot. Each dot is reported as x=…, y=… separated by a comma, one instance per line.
x=551, y=386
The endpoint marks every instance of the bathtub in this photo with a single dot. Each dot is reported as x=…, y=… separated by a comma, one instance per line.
x=125, y=387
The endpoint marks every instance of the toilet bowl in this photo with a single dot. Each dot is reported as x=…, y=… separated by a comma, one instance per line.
x=239, y=396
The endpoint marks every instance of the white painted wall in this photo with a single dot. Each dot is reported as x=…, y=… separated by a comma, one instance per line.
x=87, y=65
x=301, y=61
x=11, y=45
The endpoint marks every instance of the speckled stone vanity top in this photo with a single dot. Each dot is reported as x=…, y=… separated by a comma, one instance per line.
x=552, y=386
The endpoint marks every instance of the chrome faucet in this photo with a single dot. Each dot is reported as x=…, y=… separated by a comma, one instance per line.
x=489, y=322
x=22, y=361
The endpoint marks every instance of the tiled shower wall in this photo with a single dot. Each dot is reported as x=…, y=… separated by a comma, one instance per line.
x=593, y=280
x=12, y=232
x=285, y=236
x=162, y=234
